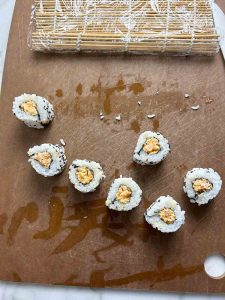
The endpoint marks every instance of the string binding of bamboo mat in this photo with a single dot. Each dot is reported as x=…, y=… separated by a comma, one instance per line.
x=180, y=27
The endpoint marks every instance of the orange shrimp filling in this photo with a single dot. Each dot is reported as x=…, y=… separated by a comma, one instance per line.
x=84, y=175
x=29, y=107
x=44, y=158
x=124, y=194
x=151, y=146
x=202, y=185
x=167, y=215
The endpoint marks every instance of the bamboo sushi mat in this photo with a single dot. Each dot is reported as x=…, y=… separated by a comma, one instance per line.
x=181, y=27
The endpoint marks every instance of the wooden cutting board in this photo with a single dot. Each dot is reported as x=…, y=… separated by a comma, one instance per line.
x=51, y=234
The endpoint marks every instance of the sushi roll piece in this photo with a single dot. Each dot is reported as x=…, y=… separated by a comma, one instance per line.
x=33, y=110
x=165, y=214
x=202, y=185
x=151, y=148
x=47, y=159
x=124, y=194
x=85, y=175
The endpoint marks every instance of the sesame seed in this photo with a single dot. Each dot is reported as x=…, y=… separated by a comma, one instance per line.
x=208, y=100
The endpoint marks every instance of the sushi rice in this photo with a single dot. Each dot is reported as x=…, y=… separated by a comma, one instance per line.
x=85, y=175
x=151, y=148
x=124, y=194
x=165, y=214
x=202, y=185
x=47, y=159
x=33, y=110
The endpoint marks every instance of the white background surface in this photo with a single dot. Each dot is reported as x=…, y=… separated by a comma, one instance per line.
x=34, y=292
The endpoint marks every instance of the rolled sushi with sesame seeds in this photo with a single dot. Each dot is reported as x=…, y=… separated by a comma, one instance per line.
x=165, y=214
x=86, y=175
x=202, y=185
x=124, y=194
x=151, y=149
x=47, y=159
x=33, y=110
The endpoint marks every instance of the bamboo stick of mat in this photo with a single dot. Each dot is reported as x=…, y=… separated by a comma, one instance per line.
x=182, y=27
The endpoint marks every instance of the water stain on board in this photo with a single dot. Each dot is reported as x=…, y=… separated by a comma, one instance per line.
x=28, y=213
x=96, y=88
x=160, y=274
x=136, y=88
x=119, y=87
x=56, y=211
x=130, y=166
x=59, y=93
x=16, y=277
x=3, y=220
x=68, y=280
x=97, y=278
x=95, y=215
x=107, y=92
x=113, y=223
x=105, y=99
x=135, y=126
x=155, y=124
x=78, y=233
x=117, y=173
x=79, y=89
x=113, y=100
x=60, y=189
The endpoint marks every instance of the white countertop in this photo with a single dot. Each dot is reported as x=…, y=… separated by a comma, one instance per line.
x=10, y=291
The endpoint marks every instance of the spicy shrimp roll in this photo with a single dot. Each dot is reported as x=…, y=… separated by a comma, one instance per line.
x=34, y=111
x=124, y=194
x=202, y=185
x=165, y=214
x=47, y=159
x=151, y=148
x=86, y=175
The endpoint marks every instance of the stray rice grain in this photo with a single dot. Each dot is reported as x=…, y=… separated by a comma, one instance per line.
x=151, y=116
x=195, y=107
x=62, y=142
x=118, y=118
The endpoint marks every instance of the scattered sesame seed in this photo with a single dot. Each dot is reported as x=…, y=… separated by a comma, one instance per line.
x=186, y=95
x=157, y=93
x=101, y=113
x=85, y=217
x=139, y=102
x=118, y=118
x=62, y=142
x=208, y=100
x=195, y=107
x=151, y=116
x=102, y=117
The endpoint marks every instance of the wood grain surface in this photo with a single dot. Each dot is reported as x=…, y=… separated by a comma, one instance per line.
x=51, y=234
